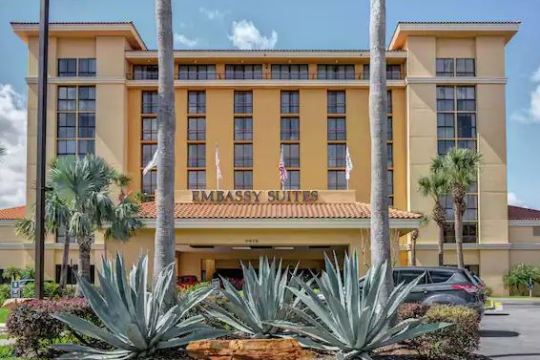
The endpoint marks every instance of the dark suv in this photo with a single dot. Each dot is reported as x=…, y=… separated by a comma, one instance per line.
x=443, y=285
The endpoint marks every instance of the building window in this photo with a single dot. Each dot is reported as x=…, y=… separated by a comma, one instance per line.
x=289, y=72
x=291, y=155
x=293, y=180
x=196, y=129
x=336, y=129
x=196, y=179
x=450, y=67
x=243, y=155
x=196, y=102
x=150, y=102
x=149, y=183
x=336, y=102
x=197, y=72
x=149, y=129
x=243, y=72
x=393, y=72
x=465, y=67
x=390, y=148
x=243, y=128
x=336, y=180
x=243, y=102
x=145, y=72
x=148, y=151
x=197, y=155
x=243, y=179
x=67, y=67
x=335, y=72
x=76, y=122
x=336, y=155
x=445, y=67
x=87, y=67
x=290, y=102
x=61, y=235
x=290, y=128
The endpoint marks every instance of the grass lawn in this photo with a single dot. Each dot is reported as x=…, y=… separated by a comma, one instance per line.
x=3, y=315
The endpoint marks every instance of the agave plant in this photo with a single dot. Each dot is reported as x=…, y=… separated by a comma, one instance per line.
x=345, y=316
x=265, y=298
x=136, y=323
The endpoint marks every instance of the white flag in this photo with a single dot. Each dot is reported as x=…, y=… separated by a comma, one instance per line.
x=348, y=165
x=219, y=176
x=152, y=164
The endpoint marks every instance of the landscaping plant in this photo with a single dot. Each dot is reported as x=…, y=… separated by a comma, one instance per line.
x=265, y=298
x=521, y=278
x=136, y=323
x=348, y=318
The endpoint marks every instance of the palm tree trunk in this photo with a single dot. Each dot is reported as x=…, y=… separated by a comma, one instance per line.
x=65, y=259
x=380, y=240
x=414, y=237
x=84, y=261
x=440, y=249
x=165, y=235
x=458, y=229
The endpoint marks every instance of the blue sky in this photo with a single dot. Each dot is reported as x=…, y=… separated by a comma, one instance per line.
x=289, y=24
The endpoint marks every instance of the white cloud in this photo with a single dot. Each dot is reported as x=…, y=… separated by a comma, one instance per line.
x=13, y=138
x=184, y=40
x=513, y=199
x=246, y=36
x=212, y=14
x=531, y=114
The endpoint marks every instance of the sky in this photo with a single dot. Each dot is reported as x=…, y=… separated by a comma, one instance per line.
x=279, y=24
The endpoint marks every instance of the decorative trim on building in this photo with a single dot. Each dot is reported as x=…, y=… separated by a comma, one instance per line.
x=466, y=80
x=48, y=246
x=264, y=83
x=524, y=223
x=509, y=246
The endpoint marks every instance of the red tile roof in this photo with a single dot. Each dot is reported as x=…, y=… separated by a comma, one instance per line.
x=521, y=213
x=273, y=211
x=14, y=213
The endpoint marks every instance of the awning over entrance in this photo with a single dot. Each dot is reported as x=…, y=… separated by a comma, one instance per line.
x=275, y=209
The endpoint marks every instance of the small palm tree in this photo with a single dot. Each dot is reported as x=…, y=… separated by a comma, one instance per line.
x=78, y=199
x=460, y=169
x=435, y=185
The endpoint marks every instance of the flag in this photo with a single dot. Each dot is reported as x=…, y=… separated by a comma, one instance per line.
x=283, y=176
x=348, y=165
x=219, y=176
x=152, y=164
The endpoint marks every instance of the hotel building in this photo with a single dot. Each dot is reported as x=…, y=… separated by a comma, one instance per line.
x=446, y=87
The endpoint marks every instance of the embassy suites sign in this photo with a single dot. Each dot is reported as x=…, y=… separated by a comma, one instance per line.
x=252, y=196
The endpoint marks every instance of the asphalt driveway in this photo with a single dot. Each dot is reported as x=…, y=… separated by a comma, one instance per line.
x=513, y=334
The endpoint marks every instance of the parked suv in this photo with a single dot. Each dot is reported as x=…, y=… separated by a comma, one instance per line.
x=443, y=285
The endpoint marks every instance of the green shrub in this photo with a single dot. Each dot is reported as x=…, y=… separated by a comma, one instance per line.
x=455, y=342
x=34, y=329
x=50, y=290
x=520, y=277
x=5, y=293
x=412, y=311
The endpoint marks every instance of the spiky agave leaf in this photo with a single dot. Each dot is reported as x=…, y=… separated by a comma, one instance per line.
x=265, y=298
x=135, y=320
x=348, y=318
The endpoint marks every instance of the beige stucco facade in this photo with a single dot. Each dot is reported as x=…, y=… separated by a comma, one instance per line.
x=117, y=48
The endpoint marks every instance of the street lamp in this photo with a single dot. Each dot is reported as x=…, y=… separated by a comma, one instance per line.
x=41, y=147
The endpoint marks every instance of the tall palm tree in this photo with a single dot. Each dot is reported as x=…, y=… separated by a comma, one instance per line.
x=164, y=248
x=435, y=185
x=2, y=150
x=380, y=239
x=460, y=168
x=78, y=200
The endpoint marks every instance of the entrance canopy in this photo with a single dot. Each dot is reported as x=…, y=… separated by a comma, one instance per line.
x=275, y=209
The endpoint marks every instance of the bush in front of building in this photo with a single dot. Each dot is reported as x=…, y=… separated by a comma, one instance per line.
x=455, y=342
x=5, y=293
x=34, y=329
x=521, y=279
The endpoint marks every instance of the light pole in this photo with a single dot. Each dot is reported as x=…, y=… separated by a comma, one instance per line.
x=41, y=146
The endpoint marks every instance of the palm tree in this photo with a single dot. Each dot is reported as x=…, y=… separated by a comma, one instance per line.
x=414, y=237
x=164, y=247
x=435, y=186
x=460, y=169
x=380, y=239
x=2, y=150
x=78, y=200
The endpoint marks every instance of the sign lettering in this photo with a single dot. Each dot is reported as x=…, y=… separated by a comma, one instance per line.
x=250, y=196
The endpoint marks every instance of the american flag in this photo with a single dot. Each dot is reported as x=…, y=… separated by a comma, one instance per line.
x=348, y=165
x=219, y=176
x=283, y=176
